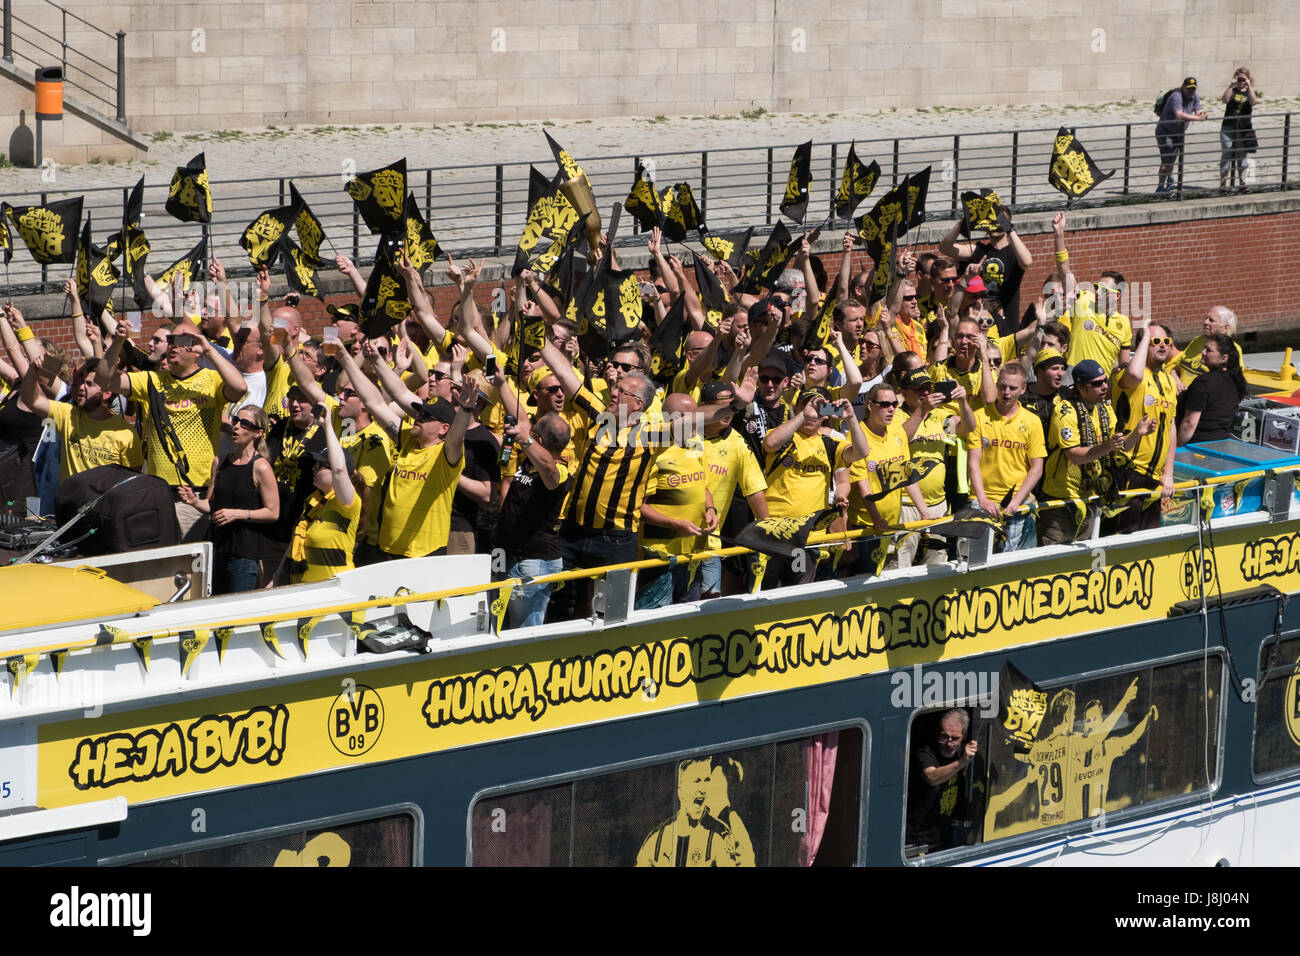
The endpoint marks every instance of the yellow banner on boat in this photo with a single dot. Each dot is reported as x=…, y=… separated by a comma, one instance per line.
x=386, y=713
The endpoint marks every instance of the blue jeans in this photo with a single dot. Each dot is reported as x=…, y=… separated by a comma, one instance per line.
x=1021, y=533
x=235, y=574
x=527, y=607
x=710, y=576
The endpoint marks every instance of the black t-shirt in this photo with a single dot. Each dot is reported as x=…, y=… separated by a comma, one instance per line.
x=932, y=810
x=481, y=451
x=1216, y=398
x=530, y=515
x=756, y=421
x=1003, y=268
x=1236, y=113
x=293, y=474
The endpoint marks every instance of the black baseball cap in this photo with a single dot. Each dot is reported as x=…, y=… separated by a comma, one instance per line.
x=318, y=451
x=713, y=391
x=434, y=410
x=350, y=312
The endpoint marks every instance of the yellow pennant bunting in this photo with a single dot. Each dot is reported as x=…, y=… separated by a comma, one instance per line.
x=271, y=640
x=20, y=667
x=110, y=635
x=499, y=605
x=57, y=660
x=223, y=635
x=144, y=647
x=191, y=645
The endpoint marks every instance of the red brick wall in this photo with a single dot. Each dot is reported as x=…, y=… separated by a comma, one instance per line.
x=1242, y=262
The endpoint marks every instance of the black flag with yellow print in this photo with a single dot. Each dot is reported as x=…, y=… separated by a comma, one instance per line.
x=191, y=267
x=857, y=182
x=982, y=210
x=918, y=189
x=643, y=201
x=878, y=228
x=421, y=246
x=134, y=250
x=795, y=201
x=307, y=226
x=1022, y=705
x=384, y=303
x=261, y=238
x=380, y=196
x=622, y=306
x=818, y=335
x=771, y=260
x=1073, y=171
x=783, y=537
x=300, y=269
x=727, y=247
x=681, y=212
x=50, y=232
x=551, y=218
x=667, y=342
x=133, y=208
x=190, y=199
x=712, y=297
x=6, y=237
x=569, y=168
x=96, y=274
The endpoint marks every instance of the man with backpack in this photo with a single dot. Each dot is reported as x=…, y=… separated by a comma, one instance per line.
x=1176, y=109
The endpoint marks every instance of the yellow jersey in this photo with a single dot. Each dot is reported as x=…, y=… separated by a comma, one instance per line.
x=417, y=503
x=929, y=448
x=1188, y=364
x=677, y=486
x=730, y=464
x=801, y=476
x=1007, y=446
x=1062, y=479
x=194, y=405
x=1097, y=337
x=88, y=442
x=328, y=533
x=884, y=466
x=372, y=452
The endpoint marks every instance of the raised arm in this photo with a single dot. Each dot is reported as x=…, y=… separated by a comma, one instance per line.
x=558, y=363
x=346, y=266
x=370, y=395
x=107, y=375
x=231, y=377
x=655, y=245
x=1137, y=363
x=344, y=490
x=954, y=249
x=852, y=372
x=392, y=382
x=303, y=376
x=229, y=307
x=32, y=394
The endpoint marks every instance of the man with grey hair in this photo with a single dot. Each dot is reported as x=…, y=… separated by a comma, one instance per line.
x=938, y=804
x=1188, y=364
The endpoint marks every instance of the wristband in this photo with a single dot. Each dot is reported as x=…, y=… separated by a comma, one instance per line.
x=79, y=315
x=263, y=298
x=1062, y=257
x=710, y=508
x=24, y=333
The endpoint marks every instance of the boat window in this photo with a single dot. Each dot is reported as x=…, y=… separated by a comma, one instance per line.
x=790, y=803
x=1102, y=745
x=386, y=841
x=1277, y=708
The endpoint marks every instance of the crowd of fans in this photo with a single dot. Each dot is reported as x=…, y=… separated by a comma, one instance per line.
x=301, y=458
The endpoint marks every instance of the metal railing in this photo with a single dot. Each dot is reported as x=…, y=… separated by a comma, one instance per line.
x=480, y=210
x=101, y=83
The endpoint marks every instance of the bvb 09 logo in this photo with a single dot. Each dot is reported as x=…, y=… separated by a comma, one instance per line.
x=1197, y=571
x=355, y=720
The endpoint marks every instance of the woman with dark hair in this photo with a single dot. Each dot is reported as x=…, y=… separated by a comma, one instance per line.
x=1206, y=408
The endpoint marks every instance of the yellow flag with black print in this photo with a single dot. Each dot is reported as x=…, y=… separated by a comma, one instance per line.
x=549, y=229
x=144, y=648
x=304, y=631
x=270, y=639
x=19, y=667
x=380, y=196
x=857, y=182
x=191, y=645
x=500, y=602
x=190, y=199
x=795, y=201
x=50, y=231
x=300, y=269
x=1073, y=171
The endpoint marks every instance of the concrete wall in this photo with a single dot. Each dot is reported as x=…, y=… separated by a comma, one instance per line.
x=247, y=64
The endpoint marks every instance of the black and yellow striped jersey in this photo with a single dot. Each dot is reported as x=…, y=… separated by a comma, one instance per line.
x=614, y=470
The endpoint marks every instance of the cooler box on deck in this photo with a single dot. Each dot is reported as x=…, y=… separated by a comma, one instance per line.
x=1248, y=423
x=1223, y=459
x=1280, y=429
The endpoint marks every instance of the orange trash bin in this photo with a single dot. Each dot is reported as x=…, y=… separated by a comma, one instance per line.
x=49, y=92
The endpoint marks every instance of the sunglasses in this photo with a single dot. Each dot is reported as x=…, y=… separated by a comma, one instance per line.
x=439, y=376
x=771, y=379
x=1162, y=340
x=1095, y=383
x=909, y=298
x=893, y=404
x=625, y=367
x=550, y=389
x=995, y=363
x=944, y=279
x=816, y=360
x=781, y=303
x=245, y=423
x=347, y=392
